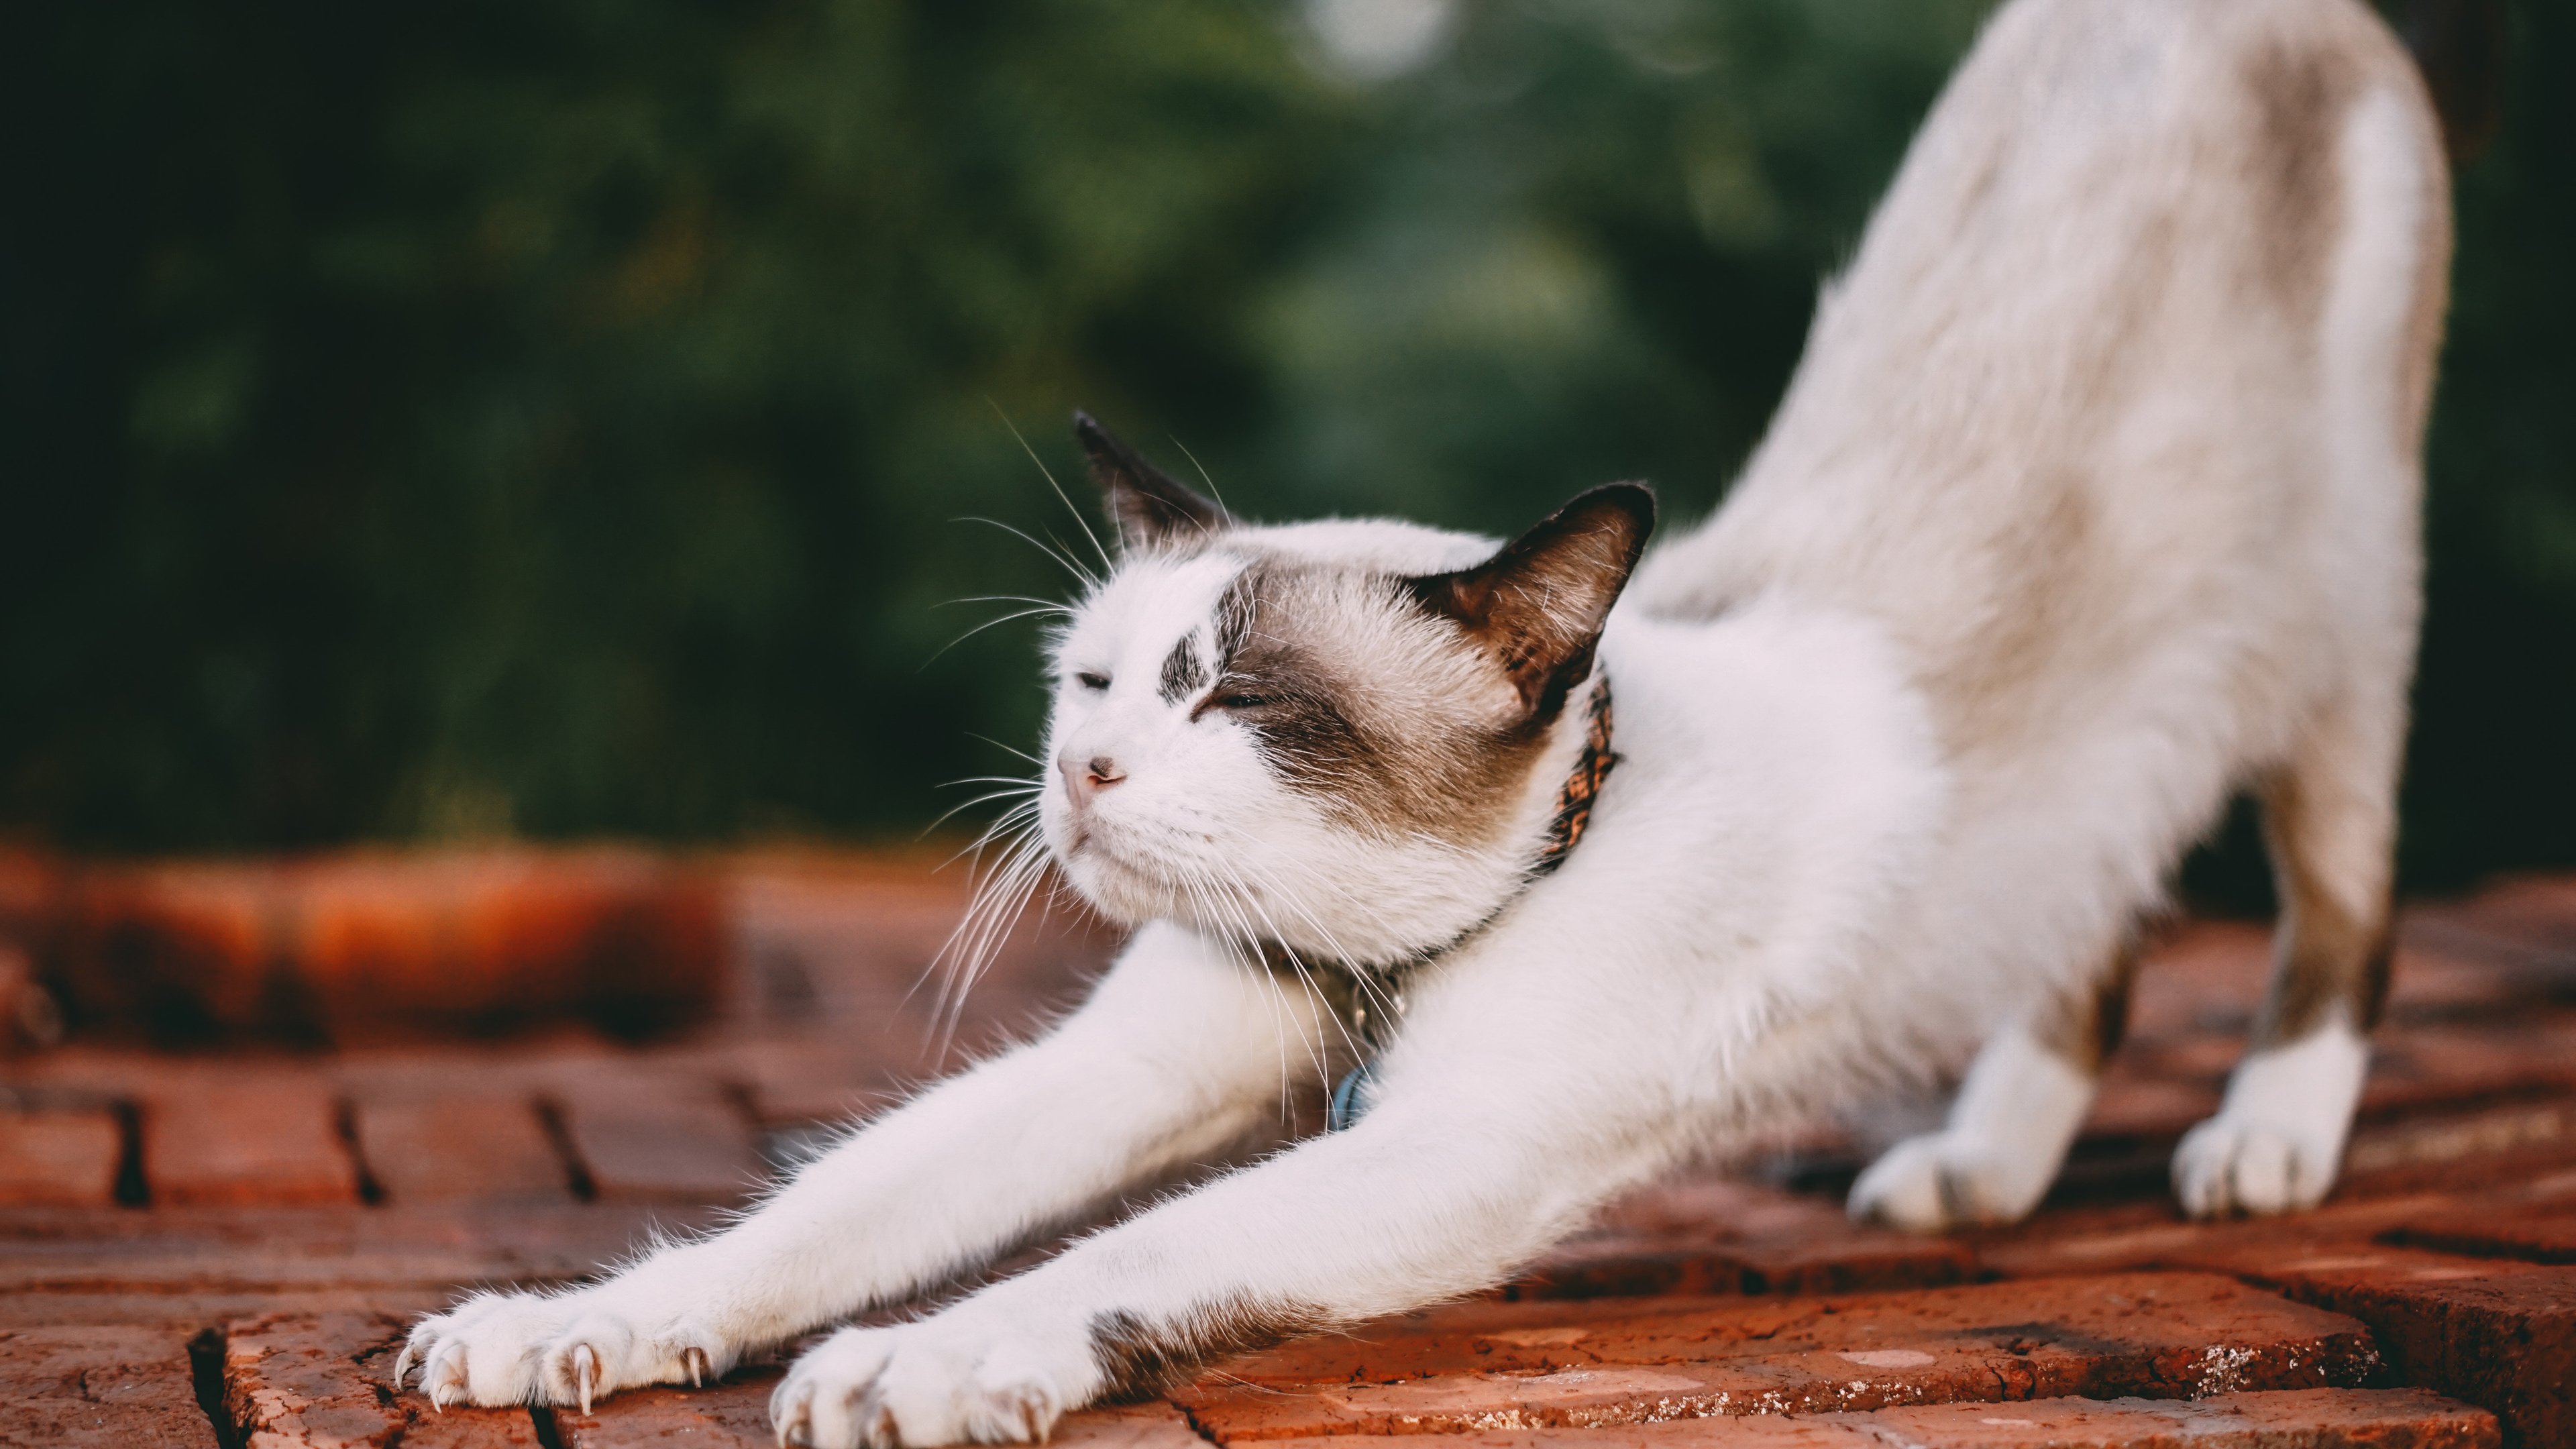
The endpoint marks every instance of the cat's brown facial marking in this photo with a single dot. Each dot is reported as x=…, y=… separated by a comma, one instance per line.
x=1365, y=704
x=1183, y=675
x=1420, y=704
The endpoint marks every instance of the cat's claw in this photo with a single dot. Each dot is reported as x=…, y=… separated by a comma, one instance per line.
x=444, y=1376
x=571, y=1350
x=585, y=1375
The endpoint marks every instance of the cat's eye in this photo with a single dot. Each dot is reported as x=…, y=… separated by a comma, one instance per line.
x=1092, y=681
x=1241, y=701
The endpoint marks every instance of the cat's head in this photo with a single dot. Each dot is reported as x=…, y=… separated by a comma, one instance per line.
x=1345, y=737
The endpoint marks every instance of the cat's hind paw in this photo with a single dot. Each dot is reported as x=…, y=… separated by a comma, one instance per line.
x=2230, y=1165
x=1945, y=1180
x=568, y=1350
x=931, y=1383
x=2276, y=1145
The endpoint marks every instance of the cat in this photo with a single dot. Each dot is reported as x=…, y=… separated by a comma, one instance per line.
x=2094, y=500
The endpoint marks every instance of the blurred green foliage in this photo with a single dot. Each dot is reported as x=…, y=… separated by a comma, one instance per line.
x=553, y=417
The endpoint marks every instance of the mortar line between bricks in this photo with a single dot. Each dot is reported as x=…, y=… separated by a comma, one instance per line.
x=344, y=1125
x=132, y=1189
x=1193, y=1421
x=207, y=1350
x=558, y=1129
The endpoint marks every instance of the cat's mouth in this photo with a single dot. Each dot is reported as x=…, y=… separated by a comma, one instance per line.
x=1115, y=877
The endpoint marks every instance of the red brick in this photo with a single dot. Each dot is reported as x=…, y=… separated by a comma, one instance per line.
x=322, y=1381
x=735, y=1415
x=2497, y=1333
x=2451, y=1138
x=2133, y=1103
x=460, y=1149
x=457, y=937
x=2158, y=1335
x=2203, y=976
x=2536, y=913
x=184, y=1313
x=58, y=1159
x=99, y=1388
x=366, y=940
x=648, y=1139
x=1702, y=1236
x=806, y=1083
x=298, y=1380
x=1836, y=1261
x=1126, y=1426
x=2547, y=1236
x=2281, y=1419
x=730, y=1415
x=2487, y=1151
x=2372, y=1201
x=470, y=1429
x=1756, y=1431
x=249, y=1142
x=385, y=1250
x=2387, y=1418
x=2454, y=1064
x=183, y=939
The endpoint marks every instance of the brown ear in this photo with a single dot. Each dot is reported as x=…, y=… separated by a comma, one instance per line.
x=1150, y=507
x=1540, y=603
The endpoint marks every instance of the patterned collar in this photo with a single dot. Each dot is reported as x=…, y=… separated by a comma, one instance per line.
x=1356, y=988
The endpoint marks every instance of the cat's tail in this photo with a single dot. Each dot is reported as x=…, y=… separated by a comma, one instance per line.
x=2460, y=46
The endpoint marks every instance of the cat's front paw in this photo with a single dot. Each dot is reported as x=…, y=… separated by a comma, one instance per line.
x=565, y=1349
x=936, y=1382
x=1945, y=1180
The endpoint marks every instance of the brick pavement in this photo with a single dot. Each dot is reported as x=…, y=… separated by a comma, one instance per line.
x=216, y=1246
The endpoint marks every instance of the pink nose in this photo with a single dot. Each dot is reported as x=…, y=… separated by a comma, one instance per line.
x=1087, y=778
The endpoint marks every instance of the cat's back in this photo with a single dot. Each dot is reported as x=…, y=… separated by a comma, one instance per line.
x=2079, y=394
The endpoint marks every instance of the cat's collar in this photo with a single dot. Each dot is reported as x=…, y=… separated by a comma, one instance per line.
x=1371, y=997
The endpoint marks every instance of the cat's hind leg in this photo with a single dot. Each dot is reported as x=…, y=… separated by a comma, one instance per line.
x=2330, y=821
x=2015, y=1116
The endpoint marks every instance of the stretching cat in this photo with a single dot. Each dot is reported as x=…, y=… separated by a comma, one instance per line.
x=2094, y=500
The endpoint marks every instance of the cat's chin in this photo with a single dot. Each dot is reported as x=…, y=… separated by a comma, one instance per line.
x=1122, y=893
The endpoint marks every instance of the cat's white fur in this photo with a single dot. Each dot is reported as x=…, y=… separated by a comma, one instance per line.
x=2094, y=500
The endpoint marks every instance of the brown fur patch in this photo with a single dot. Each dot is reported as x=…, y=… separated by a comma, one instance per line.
x=1364, y=746
x=1139, y=1359
x=1538, y=606
x=2432, y=301
x=2300, y=96
x=2086, y=1025
x=1450, y=769
x=2326, y=960
x=1183, y=674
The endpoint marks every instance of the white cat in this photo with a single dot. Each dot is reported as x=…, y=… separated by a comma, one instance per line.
x=2094, y=500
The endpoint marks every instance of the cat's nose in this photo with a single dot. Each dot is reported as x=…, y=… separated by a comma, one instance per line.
x=1084, y=778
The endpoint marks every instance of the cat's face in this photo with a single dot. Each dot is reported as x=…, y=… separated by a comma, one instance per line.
x=1342, y=737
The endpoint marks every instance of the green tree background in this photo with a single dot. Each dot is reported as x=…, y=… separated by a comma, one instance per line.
x=554, y=417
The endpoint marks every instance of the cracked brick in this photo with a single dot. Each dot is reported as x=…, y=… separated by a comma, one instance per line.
x=100, y=1387
x=2166, y=1335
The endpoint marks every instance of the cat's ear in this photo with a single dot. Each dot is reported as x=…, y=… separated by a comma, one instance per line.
x=1539, y=605
x=1150, y=507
